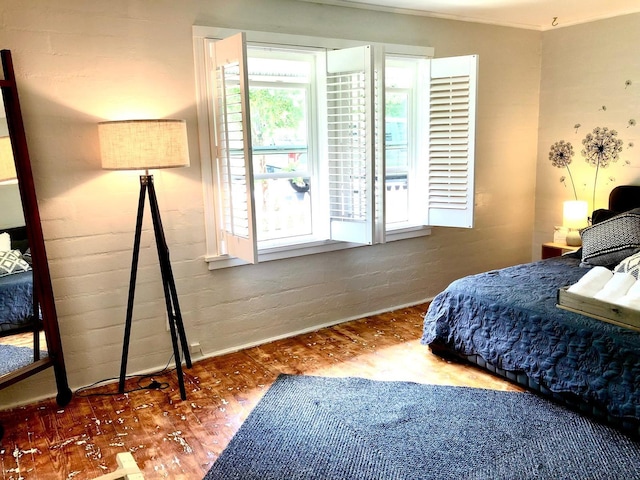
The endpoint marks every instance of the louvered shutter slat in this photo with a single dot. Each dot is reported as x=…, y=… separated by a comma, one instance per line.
x=451, y=141
x=349, y=147
x=233, y=149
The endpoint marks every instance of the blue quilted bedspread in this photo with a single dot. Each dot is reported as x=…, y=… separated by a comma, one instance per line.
x=16, y=300
x=509, y=318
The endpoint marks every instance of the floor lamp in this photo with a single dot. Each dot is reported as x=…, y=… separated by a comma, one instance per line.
x=144, y=145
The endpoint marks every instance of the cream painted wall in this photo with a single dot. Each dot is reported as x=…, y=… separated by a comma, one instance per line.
x=10, y=203
x=82, y=62
x=10, y=206
x=585, y=68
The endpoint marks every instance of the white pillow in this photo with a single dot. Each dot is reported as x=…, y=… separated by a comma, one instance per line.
x=5, y=242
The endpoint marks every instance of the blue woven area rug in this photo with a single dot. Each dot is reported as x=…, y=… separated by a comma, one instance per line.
x=351, y=428
x=12, y=358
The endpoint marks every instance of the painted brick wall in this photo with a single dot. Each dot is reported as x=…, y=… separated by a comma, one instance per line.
x=82, y=62
x=586, y=68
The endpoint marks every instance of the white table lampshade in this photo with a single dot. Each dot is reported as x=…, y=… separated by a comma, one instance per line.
x=574, y=214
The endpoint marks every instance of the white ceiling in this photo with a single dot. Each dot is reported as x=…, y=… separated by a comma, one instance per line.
x=531, y=14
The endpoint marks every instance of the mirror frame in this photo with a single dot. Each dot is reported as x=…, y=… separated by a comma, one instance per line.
x=42, y=287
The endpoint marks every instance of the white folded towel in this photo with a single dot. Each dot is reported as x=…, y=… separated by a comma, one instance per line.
x=634, y=291
x=632, y=298
x=616, y=288
x=591, y=282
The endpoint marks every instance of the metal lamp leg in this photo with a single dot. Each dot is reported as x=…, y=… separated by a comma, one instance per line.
x=174, y=315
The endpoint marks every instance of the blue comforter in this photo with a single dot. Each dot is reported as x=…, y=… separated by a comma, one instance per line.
x=16, y=300
x=509, y=318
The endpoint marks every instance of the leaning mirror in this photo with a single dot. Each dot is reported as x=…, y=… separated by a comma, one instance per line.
x=29, y=333
x=20, y=339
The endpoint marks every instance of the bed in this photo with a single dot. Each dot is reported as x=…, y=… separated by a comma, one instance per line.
x=17, y=299
x=16, y=302
x=506, y=321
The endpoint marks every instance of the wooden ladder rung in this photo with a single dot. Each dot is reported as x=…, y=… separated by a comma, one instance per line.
x=127, y=469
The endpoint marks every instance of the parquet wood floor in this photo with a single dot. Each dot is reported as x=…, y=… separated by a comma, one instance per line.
x=24, y=340
x=174, y=439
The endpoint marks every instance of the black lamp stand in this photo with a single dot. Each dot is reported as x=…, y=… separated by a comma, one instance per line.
x=171, y=297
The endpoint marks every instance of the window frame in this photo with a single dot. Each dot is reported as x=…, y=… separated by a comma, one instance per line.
x=202, y=37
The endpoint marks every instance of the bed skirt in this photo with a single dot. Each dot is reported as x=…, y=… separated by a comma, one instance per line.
x=629, y=426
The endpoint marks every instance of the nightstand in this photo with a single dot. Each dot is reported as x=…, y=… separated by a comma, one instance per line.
x=552, y=249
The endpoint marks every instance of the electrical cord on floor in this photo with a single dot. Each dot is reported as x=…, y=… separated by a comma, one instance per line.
x=152, y=385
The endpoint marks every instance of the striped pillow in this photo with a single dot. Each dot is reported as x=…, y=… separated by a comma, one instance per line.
x=609, y=242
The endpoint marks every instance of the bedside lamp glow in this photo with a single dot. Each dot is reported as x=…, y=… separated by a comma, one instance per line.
x=574, y=214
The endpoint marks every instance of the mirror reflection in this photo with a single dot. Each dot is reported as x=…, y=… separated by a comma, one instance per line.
x=22, y=340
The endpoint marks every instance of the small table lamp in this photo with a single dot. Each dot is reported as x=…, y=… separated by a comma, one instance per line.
x=7, y=163
x=574, y=218
x=143, y=145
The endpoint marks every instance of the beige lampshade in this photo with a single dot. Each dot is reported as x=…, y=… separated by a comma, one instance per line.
x=7, y=163
x=143, y=144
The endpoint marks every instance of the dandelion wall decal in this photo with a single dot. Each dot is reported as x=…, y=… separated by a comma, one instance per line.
x=560, y=155
x=600, y=148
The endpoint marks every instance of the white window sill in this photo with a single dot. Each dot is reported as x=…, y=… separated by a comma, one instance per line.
x=309, y=248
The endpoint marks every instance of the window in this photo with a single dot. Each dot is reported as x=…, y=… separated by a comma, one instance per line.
x=313, y=149
x=280, y=98
x=400, y=95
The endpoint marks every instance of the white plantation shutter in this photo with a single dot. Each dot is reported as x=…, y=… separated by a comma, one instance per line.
x=451, y=131
x=233, y=148
x=379, y=174
x=350, y=144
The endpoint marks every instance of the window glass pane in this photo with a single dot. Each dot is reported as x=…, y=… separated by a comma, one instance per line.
x=397, y=156
x=278, y=117
x=397, y=75
x=269, y=69
x=283, y=208
x=397, y=199
x=279, y=85
x=286, y=163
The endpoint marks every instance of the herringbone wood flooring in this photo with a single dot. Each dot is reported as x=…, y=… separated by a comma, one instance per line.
x=174, y=439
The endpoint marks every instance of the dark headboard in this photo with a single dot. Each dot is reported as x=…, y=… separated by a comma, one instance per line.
x=624, y=197
x=621, y=199
x=19, y=240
